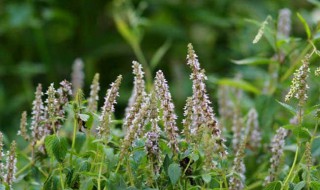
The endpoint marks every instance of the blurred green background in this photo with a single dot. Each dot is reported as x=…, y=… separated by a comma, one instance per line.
x=40, y=39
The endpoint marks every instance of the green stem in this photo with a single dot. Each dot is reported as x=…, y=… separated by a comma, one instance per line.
x=225, y=181
x=292, y=168
x=24, y=168
x=75, y=123
x=130, y=173
x=118, y=167
x=254, y=185
x=100, y=171
x=190, y=160
x=61, y=178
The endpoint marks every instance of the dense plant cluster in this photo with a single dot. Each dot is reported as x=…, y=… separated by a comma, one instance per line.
x=72, y=144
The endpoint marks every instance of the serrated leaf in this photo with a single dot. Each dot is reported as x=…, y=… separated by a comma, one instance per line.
x=288, y=107
x=315, y=185
x=206, y=178
x=306, y=26
x=84, y=117
x=48, y=141
x=59, y=148
x=276, y=185
x=299, y=185
x=252, y=61
x=302, y=132
x=174, y=172
x=238, y=84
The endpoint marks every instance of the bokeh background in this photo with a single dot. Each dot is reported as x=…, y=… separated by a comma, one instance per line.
x=40, y=39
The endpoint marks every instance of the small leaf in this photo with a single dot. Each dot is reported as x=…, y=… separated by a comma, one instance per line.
x=299, y=185
x=252, y=61
x=89, y=123
x=276, y=185
x=206, y=178
x=194, y=156
x=288, y=107
x=305, y=24
x=84, y=117
x=59, y=148
x=174, y=172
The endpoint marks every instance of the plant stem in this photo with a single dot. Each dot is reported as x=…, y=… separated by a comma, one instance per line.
x=254, y=185
x=100, y=171
x=190, y=160
x=24, y=168
x=130, y=173
x=118, y=166
x=292, y=168
x=61, y=179
x=75, y=123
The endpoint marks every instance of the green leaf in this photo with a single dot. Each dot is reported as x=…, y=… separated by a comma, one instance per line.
x=174, y=172
x=90, y=121
x=48, y=141
x=252, y=61
x=299, y=185
x=125, y=31
x=84, y=117
x=159, y=54
x=166, y=163
x=69, y=174
x=59, y=147
x=195, y=156
x=315, y=2
x=315, y=184
x=288, y=107
x=206, y=178
x=302, y=132
x=51, y=183
x=85, y=166
x=138, y=155
x=276, y=185
x=305, y=24
x=238, y=84
x=4, y=186
x=266, y=107
x=80, y=139
x=316, y=147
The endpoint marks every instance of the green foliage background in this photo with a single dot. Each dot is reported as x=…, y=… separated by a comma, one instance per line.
x=39, y=40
